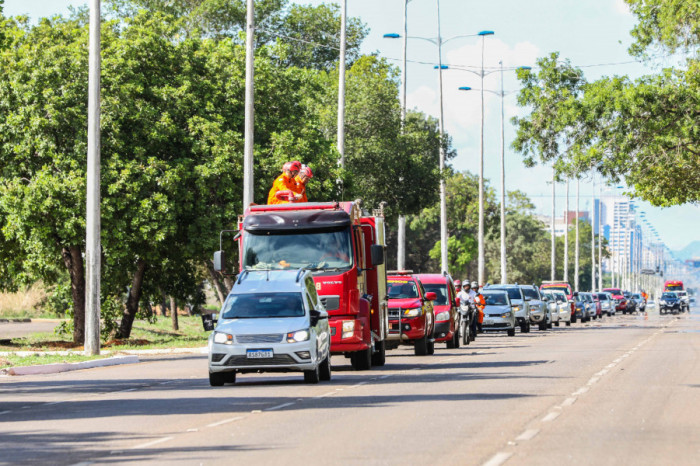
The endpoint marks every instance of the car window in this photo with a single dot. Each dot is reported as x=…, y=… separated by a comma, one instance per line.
x=399, y=289
x=440, y=289
x=530, y=293
x=513, y=293
x=496, y=299
x=263, y=305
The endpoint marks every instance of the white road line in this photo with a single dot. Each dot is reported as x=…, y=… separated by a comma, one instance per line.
x=527, y=435
x=550, y=417
x=359, y=384
x=325, y=395
x=580, y=391
x=593, y=380
x=283, y=405
x=569, y=401
x=498, y=459
x=150, y=444
x=54, y=402
x=385, y=376
x=5, y=412
x=225, y=421
x=192, y=430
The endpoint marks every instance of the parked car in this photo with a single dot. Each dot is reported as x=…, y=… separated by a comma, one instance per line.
x=498, y=313
x=271, y=321
x=590, y=305
x=518, y=303
x=553, y=306
x=669, y=302
x=639, y=301
x=620, y=301
x=539, y=311
x=685, y=300
x=607, y=303
x=411, y=314
x=598, y=306
x=447, y=316
x=564, y=306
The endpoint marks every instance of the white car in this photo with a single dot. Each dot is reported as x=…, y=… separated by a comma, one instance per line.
x=272, y=321
x=553, y=306
x=685, y=300
x=563, y=306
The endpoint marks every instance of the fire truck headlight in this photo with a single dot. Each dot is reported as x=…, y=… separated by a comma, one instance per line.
x=348, y=328
x=412, y=312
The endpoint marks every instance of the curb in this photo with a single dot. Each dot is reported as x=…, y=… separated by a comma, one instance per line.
x=72, y=366
x=201, y=350
x=15, y=321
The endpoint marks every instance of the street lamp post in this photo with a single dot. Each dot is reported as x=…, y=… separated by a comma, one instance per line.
x=440, y=67
x=553, y=265
x=401, y=234
x=482, y=265
x=566, y=234
x=249, y=106
x=576, y=255
x=341, y=85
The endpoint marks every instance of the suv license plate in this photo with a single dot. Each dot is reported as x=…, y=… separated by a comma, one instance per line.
x=259, y=354
x=488, y=322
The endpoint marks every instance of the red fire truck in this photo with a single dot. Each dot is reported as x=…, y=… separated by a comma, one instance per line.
x=673, y=285
x=344, y=248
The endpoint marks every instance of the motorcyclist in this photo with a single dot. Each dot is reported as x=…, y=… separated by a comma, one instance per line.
x=282, y=188
x=467, y=309
x=305, y=174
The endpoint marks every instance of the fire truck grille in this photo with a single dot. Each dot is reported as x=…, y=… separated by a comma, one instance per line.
x=394, y=313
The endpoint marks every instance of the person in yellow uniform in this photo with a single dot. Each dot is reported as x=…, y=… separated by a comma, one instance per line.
x=282, y=190
x=305, y=174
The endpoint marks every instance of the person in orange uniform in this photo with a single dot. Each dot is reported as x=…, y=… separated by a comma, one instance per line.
x=480, y=302
x=282, y=190
x=305, y=174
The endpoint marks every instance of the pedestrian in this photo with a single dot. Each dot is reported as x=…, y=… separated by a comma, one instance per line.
x=282, y=188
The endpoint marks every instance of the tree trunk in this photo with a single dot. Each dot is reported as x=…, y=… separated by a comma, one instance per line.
x=73, y=260
x=132, y=301
x=163, y=305
x=216, y=281
x=173, y=313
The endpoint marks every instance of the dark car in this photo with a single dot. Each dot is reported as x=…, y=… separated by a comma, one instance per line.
x=580, y=308
x=669, y=302
x=631, y=303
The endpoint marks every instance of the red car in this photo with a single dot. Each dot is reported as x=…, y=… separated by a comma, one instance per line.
x=620, y=300
x=445, y=307
x=411, y=314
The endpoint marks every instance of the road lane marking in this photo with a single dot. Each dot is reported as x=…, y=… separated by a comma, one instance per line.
x=498, y=459
x=192, y=430
x=569, y=401
x=580, y=391
x=385, y=376
x=150, y=444
x=5, y=412
x=528, y=434
x=54, y=402
x=283, y=405
x=325, y=395
x=593, y=380
x=550, y=417
x=225, y=421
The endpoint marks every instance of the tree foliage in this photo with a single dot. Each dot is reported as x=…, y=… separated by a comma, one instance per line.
x=643, y=131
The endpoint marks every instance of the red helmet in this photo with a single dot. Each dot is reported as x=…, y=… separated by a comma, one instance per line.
x=293, y=166
x=306, y=171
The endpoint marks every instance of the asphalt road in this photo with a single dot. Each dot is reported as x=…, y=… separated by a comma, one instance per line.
x=10, y=330
x=621, y=391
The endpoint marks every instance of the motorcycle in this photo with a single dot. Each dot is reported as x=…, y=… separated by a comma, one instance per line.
x=468, y=313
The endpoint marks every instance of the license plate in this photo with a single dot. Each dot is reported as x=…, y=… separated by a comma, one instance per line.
x=259, y=353
x=488, y=322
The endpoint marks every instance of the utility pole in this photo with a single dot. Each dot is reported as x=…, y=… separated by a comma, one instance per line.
x=401, y=234
x=600, y=242
x=553, y=271
x=93, y=253
x=341, y=84
x=566, y=234
x=504, y=274
x=576, y=259
x=248, y=191
x=443, y=188
x=593, y=239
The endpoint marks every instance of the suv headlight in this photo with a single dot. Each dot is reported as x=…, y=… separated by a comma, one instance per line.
x=444, y=315
x=412, y=312
x=223, y=338
x=507, y=314
x=515, y=308
x=299, y=335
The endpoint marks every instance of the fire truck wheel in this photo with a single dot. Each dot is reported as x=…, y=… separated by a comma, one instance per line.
x=325, y=369
x=379, y=356
x=361, y=360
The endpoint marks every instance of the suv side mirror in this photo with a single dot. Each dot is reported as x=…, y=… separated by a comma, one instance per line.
x=315, y=316
x=377, y=253
x=431, y=296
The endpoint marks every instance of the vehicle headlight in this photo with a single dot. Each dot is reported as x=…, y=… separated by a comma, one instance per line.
x=348, y=328
x=516, y=308
x=444, y=315
x=223, y=338
x=662, y=301
x=412, y=312
x=507, y=314
x=299, y=335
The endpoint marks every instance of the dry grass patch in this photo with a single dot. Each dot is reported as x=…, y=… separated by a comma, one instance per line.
x=23, y=303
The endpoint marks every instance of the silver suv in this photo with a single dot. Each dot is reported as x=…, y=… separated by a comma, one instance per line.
x=518, y=303
x=540, y=314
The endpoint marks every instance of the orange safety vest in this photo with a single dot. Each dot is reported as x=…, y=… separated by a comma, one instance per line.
x=480, y=305
x=282, y=183
x=300, y=188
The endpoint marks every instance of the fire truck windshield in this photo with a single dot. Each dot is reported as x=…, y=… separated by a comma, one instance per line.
x=308, y=249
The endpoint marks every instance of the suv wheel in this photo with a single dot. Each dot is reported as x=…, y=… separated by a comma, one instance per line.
x=511, y=332
x=312, y=376
x=325, y=369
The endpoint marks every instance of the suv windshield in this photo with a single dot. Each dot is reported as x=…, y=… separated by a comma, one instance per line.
x=495, y=299
x=439, y=289
x=669, y=296
x=399, y=289
x=513, y=292
x=530, y=293
x=281, y=250
x=602, y=296
x=263, y=305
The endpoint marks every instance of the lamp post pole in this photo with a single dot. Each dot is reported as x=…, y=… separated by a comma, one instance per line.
x=401, y=234
x=600, y=242
x=341, y=84
x=576, y=254
x=566, y=234
x=593, y=218
x=481, y=262
x=443, y=188
x=248, y=174
x=93, y=255
x=504, y=274
x=553, y=265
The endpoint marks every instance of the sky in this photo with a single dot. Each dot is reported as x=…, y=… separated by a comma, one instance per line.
x=592, y=34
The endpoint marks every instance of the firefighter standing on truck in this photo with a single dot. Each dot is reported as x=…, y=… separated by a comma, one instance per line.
x=282, y=190
x=305, y=174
